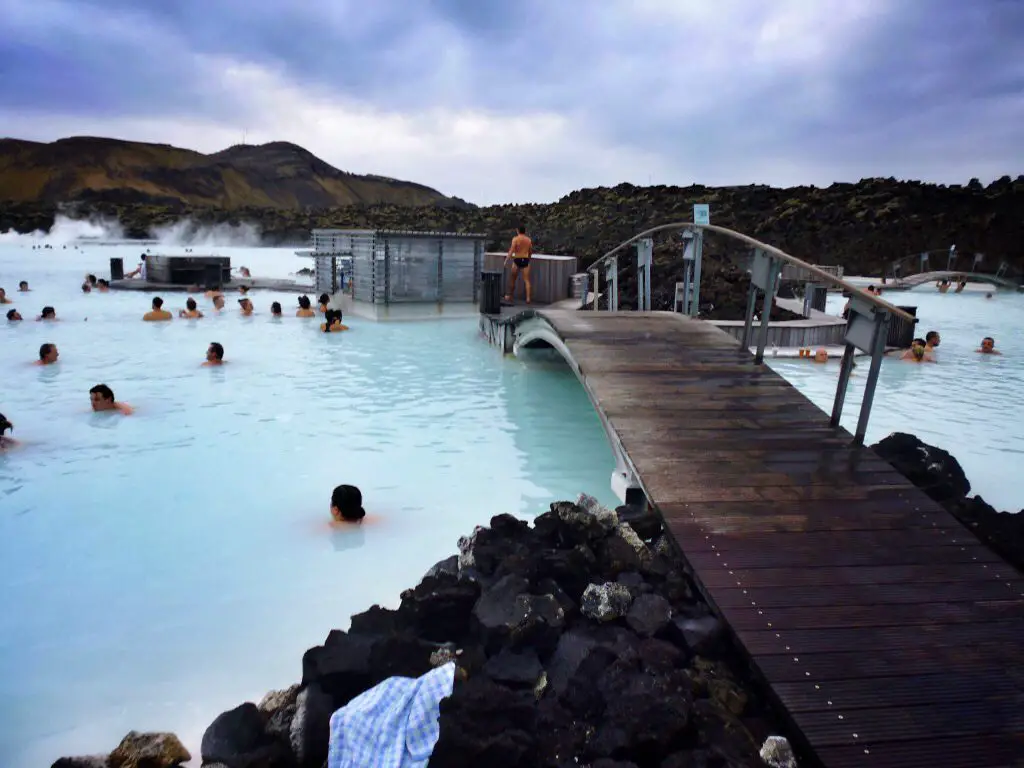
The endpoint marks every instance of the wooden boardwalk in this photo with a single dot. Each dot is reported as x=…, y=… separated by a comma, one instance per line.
x=888, y=634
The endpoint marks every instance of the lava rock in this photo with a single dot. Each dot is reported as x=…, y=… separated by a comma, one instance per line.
x=700, y=635
x=514, y=669
x=149, y=750
x=566, y=525
x=569, y=568
x=439, y=608
x=449, y=565
x=498, y=610
x=310, y=727
x=616, y=555
x=83, y=761
x=539, y=623
x=341, y=666
x=605, y=602
x=238, y=739
x=378, y=621
x=484, y=723
x=649, y=614
x=931, y=469
x=645, y=521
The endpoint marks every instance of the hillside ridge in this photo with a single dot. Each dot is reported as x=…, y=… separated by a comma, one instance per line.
x=275, y=175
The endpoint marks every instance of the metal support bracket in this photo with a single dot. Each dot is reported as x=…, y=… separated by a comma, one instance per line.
x=644, y=260
x=612, y=281
x=764, y=275
x=866, y=330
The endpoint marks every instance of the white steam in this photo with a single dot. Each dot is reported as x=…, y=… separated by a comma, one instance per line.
x=186, y=232
x=68, y=230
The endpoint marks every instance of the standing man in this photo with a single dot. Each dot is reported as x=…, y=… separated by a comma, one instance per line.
x=521, y=251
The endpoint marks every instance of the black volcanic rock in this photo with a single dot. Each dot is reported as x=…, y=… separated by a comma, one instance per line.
x=939, y=474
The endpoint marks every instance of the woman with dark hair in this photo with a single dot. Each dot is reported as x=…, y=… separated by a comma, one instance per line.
x=191, y=310
x=305, y=308
x=347, y=504
x=332, y=322
x=324, y=301
x=5, y=441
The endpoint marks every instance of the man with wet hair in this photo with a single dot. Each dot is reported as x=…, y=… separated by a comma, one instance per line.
x=14, y=316
x=47, y=354
x=214, y=354
x=988, y=347
x=157, y=313
x=102, y=398
x=23, y=286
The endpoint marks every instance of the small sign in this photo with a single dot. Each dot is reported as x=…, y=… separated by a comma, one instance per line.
x=701, y=213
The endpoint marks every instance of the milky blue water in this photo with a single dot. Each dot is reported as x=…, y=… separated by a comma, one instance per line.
x=971, y=405
x=159, y=568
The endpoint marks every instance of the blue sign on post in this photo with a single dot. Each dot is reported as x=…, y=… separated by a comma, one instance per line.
x=701, y=213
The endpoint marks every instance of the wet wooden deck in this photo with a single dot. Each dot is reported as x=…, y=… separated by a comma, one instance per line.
x=888, y=634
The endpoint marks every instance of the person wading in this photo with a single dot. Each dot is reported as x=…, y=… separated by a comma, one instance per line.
x=521, y=251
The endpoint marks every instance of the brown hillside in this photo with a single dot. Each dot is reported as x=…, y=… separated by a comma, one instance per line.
x=275, y=175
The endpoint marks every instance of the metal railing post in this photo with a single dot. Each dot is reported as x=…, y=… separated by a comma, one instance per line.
x=596, y=272
x=877, y=352
x=844, y=380
x=698, y=254
x=585, y=289
x=612, y=281
x=749, y=320
x=766, y=309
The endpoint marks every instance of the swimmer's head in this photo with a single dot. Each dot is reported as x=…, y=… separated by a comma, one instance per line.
x=917, y=351
x=218, y=302
x=190, y=304
x=103, y=283
x=157, y=302
x=48, y=353
x=91, y=278
x=49, y=313
x=13, y=315
x=243, y=289
x=933, y=338
x=331, y=316
x=347, y=504
x=102, y=398
x=23, y=285
x=5, y=425
x=988, y=344
x=988, y=295
x=325, y=299
x=304, y=302
x=246, y=305
x=86, y=287
x=215, y=352
x=275, y=309
x=821, y=355
x=3, y=294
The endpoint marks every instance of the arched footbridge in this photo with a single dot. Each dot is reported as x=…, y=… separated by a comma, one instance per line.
x=923, y=278
x=884, y=630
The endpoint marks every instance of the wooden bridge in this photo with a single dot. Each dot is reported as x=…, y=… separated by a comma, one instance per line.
x=887, y=634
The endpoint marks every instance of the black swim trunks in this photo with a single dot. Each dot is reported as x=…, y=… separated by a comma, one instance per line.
x=521, y=263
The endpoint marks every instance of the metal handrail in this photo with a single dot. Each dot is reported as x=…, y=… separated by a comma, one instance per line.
x=825, y=277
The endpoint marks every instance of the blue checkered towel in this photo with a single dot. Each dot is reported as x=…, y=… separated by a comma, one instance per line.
x=392, y=725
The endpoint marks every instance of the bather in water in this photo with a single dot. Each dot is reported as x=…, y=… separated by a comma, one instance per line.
x=332, y=322
x=347, y=504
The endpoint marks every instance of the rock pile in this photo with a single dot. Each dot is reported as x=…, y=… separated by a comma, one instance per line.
x=578, y=642
x=939, y=474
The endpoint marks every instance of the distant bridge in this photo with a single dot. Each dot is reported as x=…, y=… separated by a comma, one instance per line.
x=922, y=278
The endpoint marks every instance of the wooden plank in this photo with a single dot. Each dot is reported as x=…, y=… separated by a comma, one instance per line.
x=868, y=615
x=1002, y=577
x=825, y=541
x=809, y=641
x=925, y=658
x=912, y=690
x=990, y=750
x=899, y=594
x=893, y=555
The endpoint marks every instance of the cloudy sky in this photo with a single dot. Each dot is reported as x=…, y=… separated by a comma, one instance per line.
x=526, y=100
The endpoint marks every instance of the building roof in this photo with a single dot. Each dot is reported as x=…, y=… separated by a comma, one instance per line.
x=401, y=233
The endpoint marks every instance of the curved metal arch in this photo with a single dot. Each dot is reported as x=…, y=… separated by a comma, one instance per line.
x=820, y=274
x=532, y=330
x=923, y=278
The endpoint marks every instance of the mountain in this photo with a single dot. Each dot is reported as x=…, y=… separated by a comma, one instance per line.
x=274, y=175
